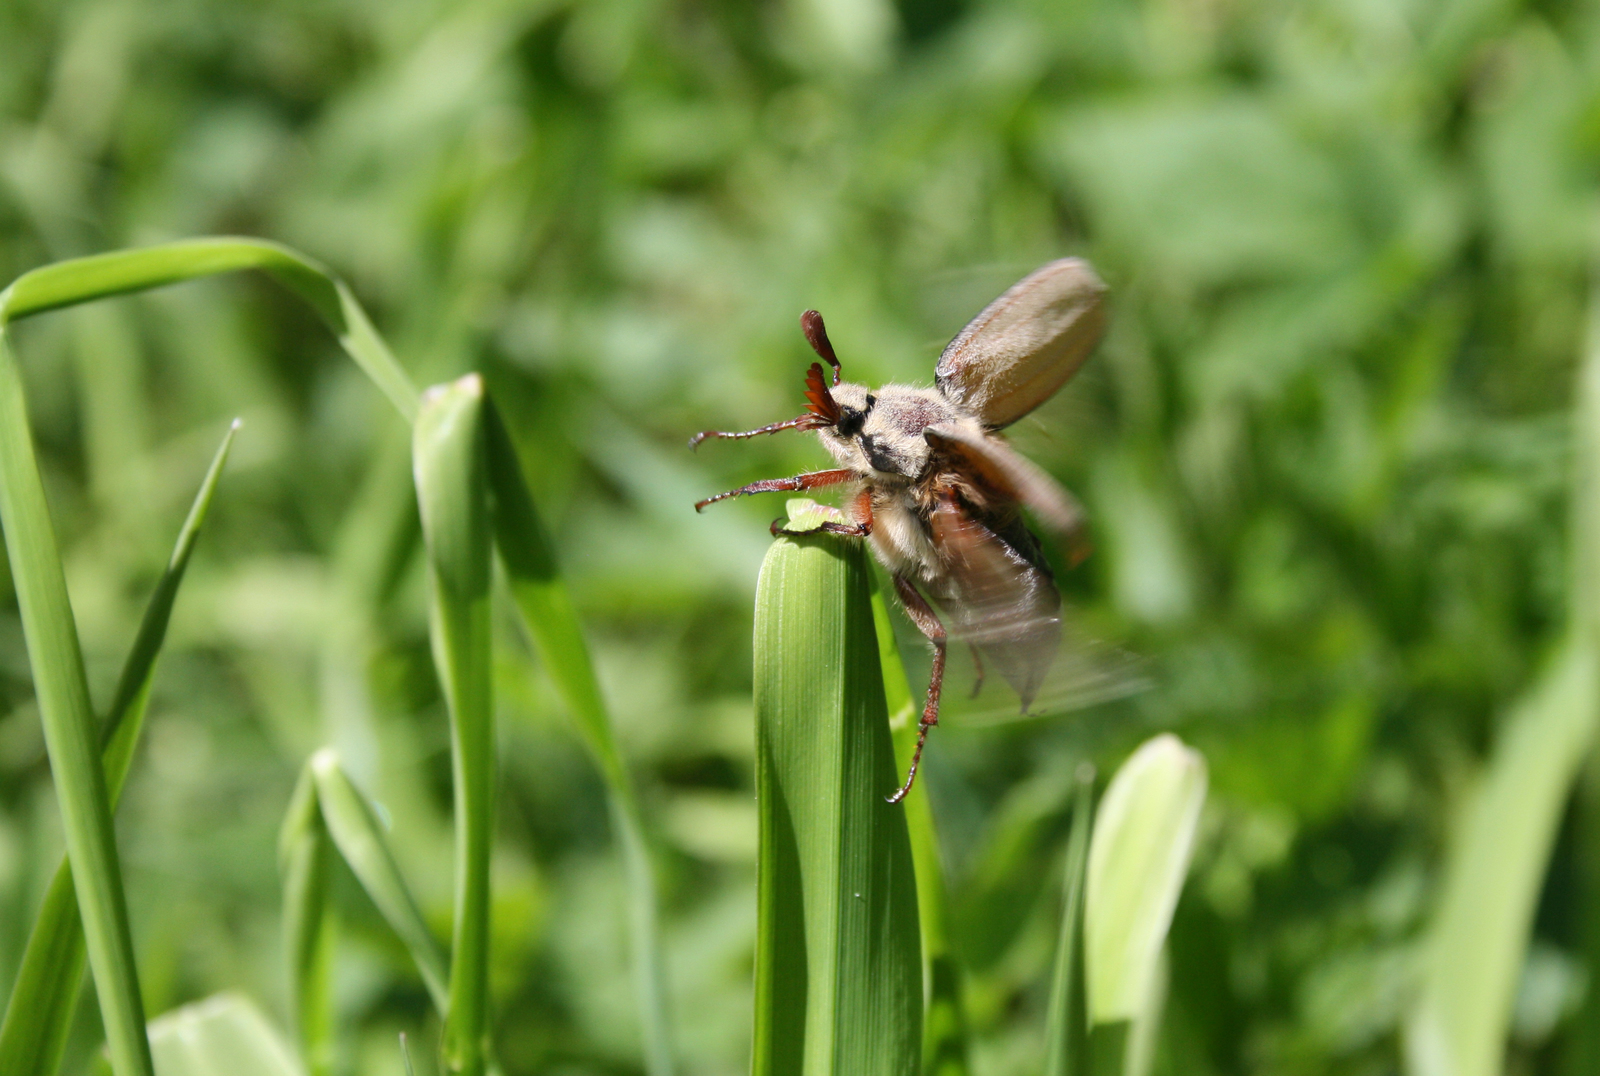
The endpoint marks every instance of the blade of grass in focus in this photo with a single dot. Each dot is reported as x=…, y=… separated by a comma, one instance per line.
x=1497, y=864
x=39, y=1011
x=1067, y=1030
x=305, y=861
x=547, y=613
x=944, y=1033
x=1138, y=859
x=225, y=1033
x=359, y=838
x=452, y=495
x=838, y=952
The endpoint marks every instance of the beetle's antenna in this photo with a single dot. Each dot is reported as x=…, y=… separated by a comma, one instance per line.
x=821, y=410
x=817, y=337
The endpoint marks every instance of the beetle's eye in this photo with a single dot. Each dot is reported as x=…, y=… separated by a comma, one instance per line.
x=850, y=421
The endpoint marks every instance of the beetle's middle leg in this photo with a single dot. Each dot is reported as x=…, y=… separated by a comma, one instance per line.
x=927, y=622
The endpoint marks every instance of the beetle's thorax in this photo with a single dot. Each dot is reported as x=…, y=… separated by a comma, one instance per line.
x=879, y=433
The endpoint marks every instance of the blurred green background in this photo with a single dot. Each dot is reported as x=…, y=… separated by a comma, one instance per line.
x=1324, y=449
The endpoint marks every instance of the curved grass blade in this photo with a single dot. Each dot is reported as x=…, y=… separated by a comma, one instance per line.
x=838, y=955
x=450, y=462
x=1138, y=857
x=551, y=621
x=100, y=276
x=1067, y=1033
x=225, y=1033
x=944, y=1032
x=358, y=835
x=37, y=1016
x=305, y=860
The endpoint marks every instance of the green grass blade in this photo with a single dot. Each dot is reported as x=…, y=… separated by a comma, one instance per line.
x=72, y=736
x=450, y=462
x=945, y=1048
x=1475, y=951
x=546, y=610
x=1067, y=1032
x=37, y=1016
x=358, y=835
x=100, y=276
x=305, y=860
x=1138, y=858
x=225, y=1033
x=838, y=954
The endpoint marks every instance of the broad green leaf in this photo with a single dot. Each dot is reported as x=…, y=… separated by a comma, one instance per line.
x=944, y=1033
x=1138, y=857
x=72, y=736
x=450, y=463
x=838, y=962
x=358, y=835
x=1067, y=1032
x=548, y=615
x=46, y=991
x=100, y=276
x=305, y=862
x=224, y=1035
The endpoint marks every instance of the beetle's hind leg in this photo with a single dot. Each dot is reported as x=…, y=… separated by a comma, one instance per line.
x=927, y=622
x=977, y=667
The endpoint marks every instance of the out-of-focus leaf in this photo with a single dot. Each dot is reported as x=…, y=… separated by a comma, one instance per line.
x=838, y=960
x=1138, y=858
x=305, y=861
x=359, y=836
x=1474, y=956
x=225, y=1033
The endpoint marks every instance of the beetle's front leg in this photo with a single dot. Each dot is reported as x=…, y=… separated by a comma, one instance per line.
x=814, y=480
x=927, y=622
x=860, y=524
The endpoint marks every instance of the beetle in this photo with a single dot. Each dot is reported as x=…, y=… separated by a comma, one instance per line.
x=937, y=491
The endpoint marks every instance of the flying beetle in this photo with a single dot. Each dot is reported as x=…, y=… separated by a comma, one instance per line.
x=937, y=492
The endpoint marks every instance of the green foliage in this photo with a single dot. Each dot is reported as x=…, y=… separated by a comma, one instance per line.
x=1325, y=452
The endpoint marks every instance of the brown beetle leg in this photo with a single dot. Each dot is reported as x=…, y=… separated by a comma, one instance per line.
x=814, y=480
x=859, y=527
x=927, y=622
